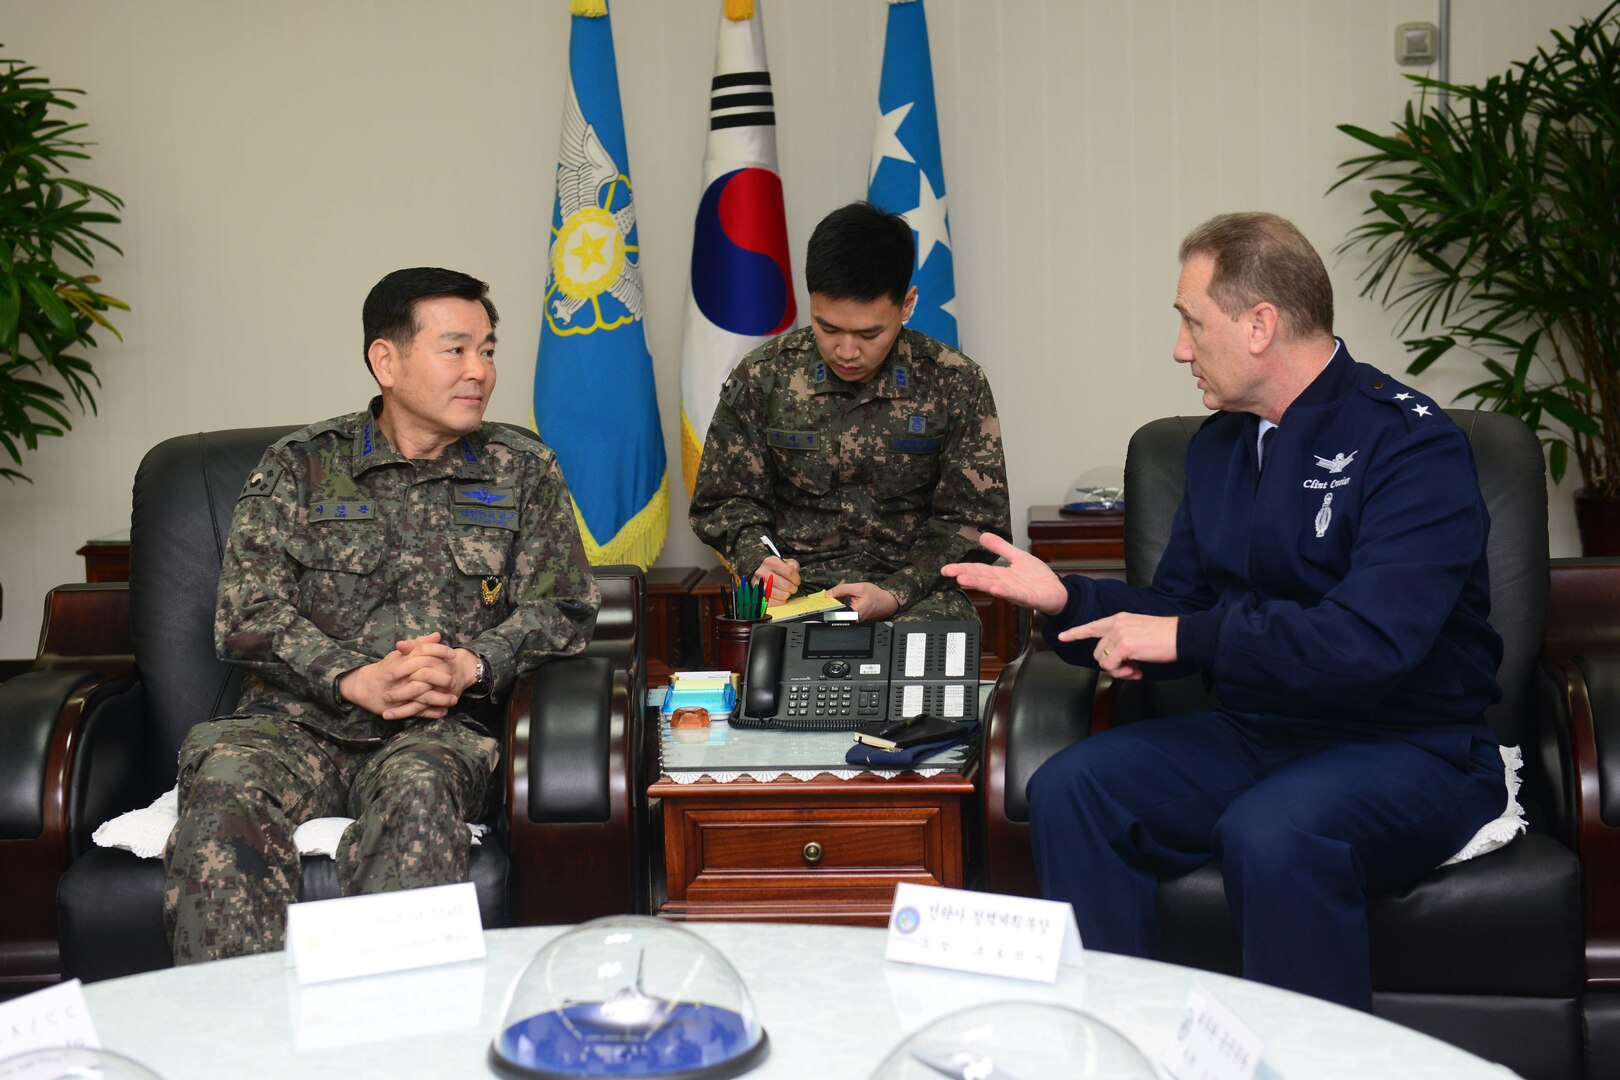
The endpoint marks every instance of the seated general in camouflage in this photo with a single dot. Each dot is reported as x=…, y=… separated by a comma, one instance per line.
x=868, y=454
x=389, y=574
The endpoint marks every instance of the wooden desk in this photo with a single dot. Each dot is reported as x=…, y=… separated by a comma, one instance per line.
x=1002, y=639
x=671, y=621
x=1094, y=536
x=106, y=558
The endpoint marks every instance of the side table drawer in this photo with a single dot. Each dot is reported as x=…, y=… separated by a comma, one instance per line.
x=811, y=841
x=823, y=849
x=818, y=860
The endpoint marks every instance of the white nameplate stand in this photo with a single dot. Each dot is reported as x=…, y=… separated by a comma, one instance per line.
x=985, y=933
x=1211, y=1043
x=391, y=931
x=56, y=1016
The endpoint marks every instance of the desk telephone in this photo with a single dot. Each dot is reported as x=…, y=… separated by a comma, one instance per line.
x=840, y=676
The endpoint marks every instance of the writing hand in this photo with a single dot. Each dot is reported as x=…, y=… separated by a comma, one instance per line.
x=784, y=575
x=1125, y=641
x=1025, y=580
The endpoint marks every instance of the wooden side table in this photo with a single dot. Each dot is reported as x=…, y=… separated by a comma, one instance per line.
x=1092, y=536
x=822, y=850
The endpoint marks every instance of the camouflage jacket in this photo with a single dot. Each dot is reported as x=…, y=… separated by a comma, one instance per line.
x=342, y=546
x=883, y=481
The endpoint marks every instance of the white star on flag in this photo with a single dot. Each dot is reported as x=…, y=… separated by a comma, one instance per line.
x=888, y=142
x=949, y=307
x=1421, y=410
x=1402, y=397
x=928, y=219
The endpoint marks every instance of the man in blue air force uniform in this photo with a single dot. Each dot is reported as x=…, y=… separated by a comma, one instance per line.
x=1326, y=573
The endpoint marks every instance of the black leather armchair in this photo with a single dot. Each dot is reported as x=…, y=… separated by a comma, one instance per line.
x=1486, y=954
x=95, y=726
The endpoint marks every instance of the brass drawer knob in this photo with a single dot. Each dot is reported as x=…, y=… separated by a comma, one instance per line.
x=812, y=852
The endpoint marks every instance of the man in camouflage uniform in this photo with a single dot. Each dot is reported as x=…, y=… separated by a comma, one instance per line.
x=389, y=575
x=869, y=454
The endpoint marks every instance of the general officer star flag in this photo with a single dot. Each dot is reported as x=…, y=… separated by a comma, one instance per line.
x=907, y=175
x=741, y=290
x=594, y=400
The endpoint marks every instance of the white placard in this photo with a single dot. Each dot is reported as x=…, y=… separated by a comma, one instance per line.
x=987, y=933
x=56, y=1016
x=955, y=701
x=391, y=931
x=378, y=1008
x=1210, y=1042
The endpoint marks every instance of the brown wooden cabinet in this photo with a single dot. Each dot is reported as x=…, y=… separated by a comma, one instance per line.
x=1094, y=536
x=106, y=558
x=824, y=850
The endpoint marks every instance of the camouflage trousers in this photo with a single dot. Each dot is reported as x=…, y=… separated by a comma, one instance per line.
x=247, y=782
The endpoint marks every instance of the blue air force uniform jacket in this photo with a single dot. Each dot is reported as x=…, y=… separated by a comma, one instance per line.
x=1346, y=586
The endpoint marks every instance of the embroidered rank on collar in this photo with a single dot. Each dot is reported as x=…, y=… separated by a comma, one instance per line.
x=484, y=495
x=794, y=440
x=916, y=444
x=342, y=510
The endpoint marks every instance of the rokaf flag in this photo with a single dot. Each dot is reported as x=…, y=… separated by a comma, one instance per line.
x=741, y=291
x=594, y=399
x=907, y=175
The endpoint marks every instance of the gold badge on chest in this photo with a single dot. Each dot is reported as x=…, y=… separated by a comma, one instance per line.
x=491, y=588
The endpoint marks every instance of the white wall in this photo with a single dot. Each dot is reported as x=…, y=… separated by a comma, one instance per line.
x=277, y=158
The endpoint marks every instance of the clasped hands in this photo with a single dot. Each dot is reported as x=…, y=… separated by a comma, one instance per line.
x=867, y=600
x=421, y=679
x=1124, y=641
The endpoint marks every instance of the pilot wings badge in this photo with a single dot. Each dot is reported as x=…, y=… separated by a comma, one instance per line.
x=1337, y=463
x=591, y=252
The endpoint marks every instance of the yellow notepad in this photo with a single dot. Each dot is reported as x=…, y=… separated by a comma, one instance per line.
x=807, y=604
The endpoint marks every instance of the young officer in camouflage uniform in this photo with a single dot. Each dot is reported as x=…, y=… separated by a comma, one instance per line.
x=389, y=574
x=869, y=454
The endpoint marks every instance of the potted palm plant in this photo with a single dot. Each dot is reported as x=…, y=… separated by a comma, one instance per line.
x=49, y=301
x=1494, y=227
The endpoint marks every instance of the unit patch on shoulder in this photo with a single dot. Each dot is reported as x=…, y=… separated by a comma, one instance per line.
x=261, y=481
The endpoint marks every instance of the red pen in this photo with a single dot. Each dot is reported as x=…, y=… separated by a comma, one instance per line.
x=767, y=605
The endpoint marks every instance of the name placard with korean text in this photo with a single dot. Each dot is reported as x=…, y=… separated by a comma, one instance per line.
x=985, y=933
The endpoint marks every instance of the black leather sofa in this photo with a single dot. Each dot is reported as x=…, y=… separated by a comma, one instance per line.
x=1486, y=954
x=122, y=674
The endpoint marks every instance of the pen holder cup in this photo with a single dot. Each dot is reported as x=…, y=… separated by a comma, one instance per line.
x=731, y=642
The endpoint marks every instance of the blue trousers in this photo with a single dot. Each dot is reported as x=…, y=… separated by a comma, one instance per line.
x=1302, y=822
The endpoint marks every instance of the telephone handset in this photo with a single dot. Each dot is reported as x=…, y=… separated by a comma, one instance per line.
x=840, y=676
